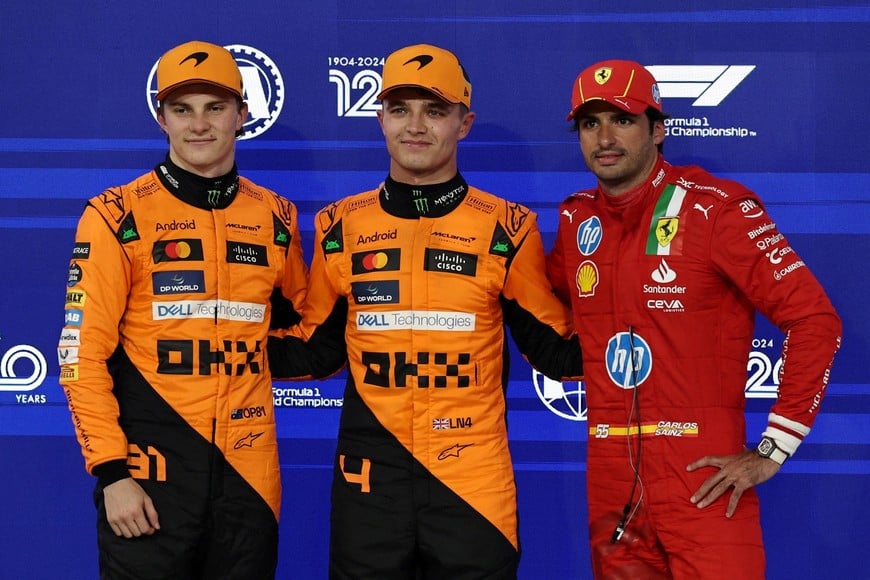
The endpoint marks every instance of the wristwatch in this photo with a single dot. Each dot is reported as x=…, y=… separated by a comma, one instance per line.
x=767, y=448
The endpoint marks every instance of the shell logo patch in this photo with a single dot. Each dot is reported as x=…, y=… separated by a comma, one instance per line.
x=587, y=278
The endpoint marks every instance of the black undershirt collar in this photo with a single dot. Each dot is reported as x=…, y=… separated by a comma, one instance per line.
x=414, y=201
x=202, y=192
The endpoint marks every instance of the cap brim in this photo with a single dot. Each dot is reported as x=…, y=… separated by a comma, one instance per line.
x=630, y=106
x=165, y=92
x=441, y=95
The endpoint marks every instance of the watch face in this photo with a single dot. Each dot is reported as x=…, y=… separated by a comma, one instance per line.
x=765, y=447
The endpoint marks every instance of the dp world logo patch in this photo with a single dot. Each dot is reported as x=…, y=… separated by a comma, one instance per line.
x=261, y=81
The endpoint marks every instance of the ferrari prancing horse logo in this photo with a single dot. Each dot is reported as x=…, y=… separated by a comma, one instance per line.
x=602, y=75
x=666, y=229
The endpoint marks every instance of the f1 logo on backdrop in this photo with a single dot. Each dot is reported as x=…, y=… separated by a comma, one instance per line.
x=9, y=380
x=707, y=84
x=262, y=83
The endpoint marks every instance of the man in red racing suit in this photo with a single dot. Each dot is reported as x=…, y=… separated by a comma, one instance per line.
x=664, y=268
x=415, y=281
x=174, y=280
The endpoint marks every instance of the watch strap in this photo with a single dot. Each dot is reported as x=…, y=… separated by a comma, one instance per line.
x=768, y=448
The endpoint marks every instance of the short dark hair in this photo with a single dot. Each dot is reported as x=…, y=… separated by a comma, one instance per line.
x=655, y=115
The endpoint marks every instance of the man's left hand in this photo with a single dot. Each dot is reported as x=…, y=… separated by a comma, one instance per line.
x=741, y=471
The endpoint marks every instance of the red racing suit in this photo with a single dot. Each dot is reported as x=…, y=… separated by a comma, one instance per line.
x=664, y=282
x=419, y=303
x=163, y=360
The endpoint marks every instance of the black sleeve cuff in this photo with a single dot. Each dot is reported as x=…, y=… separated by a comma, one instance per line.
x=323, y=355
x=284, y=314
x=111, y=471
x=553, y=356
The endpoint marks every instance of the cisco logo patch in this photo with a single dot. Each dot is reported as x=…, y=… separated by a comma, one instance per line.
x=450, y=262
x=242, y=253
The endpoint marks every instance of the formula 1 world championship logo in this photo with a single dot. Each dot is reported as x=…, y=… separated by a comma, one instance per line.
x=565, y=399
x=262, y=83
x=9, y=379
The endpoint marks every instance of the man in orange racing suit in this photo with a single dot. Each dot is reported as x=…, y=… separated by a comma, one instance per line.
x=174, y=280
x=414, y=282
x=666, y=266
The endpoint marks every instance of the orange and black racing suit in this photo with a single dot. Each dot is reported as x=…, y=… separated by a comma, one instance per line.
x=666, y=280
x=172, y=285
x=417, y=283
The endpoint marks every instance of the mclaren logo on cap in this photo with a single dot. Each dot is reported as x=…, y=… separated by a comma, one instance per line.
x=199, y=57
x=602, y=75
x=423, y=59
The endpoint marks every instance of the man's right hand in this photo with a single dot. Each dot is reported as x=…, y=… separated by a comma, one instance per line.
x=129, y=510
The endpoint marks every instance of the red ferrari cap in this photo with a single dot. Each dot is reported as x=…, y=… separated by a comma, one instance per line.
x=622, y=83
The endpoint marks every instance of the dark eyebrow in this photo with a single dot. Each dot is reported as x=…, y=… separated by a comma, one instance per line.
x=615, y=115
x=430, y=103
x=436, y=104
x=215, y=101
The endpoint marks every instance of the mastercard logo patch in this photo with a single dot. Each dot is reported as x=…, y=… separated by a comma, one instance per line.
x=376, y=261
x=184, y=250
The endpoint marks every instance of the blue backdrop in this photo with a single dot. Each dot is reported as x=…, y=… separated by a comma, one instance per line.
x=773, y=97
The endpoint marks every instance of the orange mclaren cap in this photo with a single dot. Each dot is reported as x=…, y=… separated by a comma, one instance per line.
x=198, y=62
x=622, y=83
x=427, y=67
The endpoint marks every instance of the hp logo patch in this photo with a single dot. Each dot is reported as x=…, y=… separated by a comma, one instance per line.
x=589, y=236
x=628, y=359
x=262, y=83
